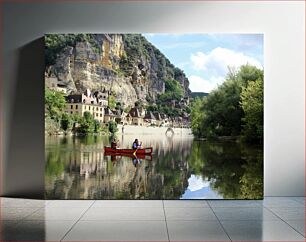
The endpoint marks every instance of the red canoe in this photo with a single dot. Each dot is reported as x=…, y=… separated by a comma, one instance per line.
x=144, y=151
x=139, y=156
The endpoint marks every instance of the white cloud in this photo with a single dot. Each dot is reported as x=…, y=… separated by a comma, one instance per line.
x=196, y=183
x=217, y=61
x=198, y=84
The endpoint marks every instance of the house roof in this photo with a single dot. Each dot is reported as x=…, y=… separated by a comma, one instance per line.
x=134, y=112
x=149, y=115
x=108, y=112
x=157, y=115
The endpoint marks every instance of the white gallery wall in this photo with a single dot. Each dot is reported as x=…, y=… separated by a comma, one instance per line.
x=283, y=25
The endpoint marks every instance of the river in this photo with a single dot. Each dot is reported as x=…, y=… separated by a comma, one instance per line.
x=180, y=168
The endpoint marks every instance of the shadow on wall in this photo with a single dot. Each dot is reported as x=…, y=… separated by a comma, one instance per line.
x=24, y=169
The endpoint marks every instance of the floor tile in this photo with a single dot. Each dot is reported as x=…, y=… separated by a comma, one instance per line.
x=130, y=213
x=127, y=203
x=21, y=203
x=118, y=231
x=185, y=204
x=39, y=230
x=298, y=225
x=281, y=202
x=70, y=203
x=300, y=200
x=196, y=231
x=57, y=213
x=261, y=231
x=244, y=214
x=289, y=213
x=235, y=203
x=16, y=213
x=189, y=214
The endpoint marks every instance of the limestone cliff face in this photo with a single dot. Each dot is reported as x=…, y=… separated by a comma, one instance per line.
x=125, y=64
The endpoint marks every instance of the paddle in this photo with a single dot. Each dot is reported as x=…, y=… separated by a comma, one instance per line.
x=134, y=153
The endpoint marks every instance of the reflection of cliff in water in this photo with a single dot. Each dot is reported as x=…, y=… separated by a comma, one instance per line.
x=76, y=168
x=90, y=174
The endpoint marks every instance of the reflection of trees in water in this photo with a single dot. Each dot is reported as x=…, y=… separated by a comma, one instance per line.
x=234, y=170
x=76, y=168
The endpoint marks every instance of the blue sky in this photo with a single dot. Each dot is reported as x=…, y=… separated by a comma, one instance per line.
x=199, y=188
x=205, y=57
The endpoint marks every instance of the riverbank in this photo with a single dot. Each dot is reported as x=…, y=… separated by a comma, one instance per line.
x=143, y=130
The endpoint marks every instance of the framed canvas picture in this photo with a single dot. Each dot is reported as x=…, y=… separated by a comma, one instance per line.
x=154, y=116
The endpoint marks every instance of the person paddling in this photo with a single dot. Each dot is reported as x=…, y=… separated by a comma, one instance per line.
x=136, y=146
x=115, y=143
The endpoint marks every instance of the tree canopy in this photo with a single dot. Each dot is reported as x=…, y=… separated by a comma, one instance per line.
x=234, y=108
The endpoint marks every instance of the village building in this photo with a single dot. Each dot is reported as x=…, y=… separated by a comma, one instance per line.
x=120, y=117
x=159, y=120
x=78, y=104
x=165, y=120
x=134, y=117
x=108, y=115
x=149, y=119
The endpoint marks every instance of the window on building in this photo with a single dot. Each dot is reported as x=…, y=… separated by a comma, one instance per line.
x=85, y=107
x=71, y=106
x=97, y=109
x=83, y=100
x=92, y=102
x=101, y=109
x=71, y=112
x=76, y=106
x=96, y=115
x=100, y=114
x=89, y=108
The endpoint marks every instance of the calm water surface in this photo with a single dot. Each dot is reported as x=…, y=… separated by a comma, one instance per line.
x=180, y=168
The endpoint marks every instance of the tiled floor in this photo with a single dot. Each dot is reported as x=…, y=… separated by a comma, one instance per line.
x=273, y=219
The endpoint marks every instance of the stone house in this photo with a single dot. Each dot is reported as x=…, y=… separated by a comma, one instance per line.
x=120, y=117
x=165, y=120
x=159, y=120
x=149, y=119
x=134, y=117
x=108, y=115
x=86, y=102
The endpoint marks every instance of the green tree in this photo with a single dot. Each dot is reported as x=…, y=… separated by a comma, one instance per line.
x=97, y=126
x=173, y=91
x=66, y=122
x=197, y=117
x=111, y=102
x=112, y=127
x=54, y=103
x=86, y=124
x=222, y=112
x=252, y=104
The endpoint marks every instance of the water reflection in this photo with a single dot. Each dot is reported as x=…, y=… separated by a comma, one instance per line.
x=180, y=168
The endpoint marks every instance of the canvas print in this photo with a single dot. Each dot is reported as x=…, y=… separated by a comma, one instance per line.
x=154, y=116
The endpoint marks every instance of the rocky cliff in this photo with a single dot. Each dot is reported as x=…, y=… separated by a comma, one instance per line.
x=126, y=64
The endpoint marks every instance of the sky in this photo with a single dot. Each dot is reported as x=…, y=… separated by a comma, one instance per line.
x=198, y=188
x=205, y=58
